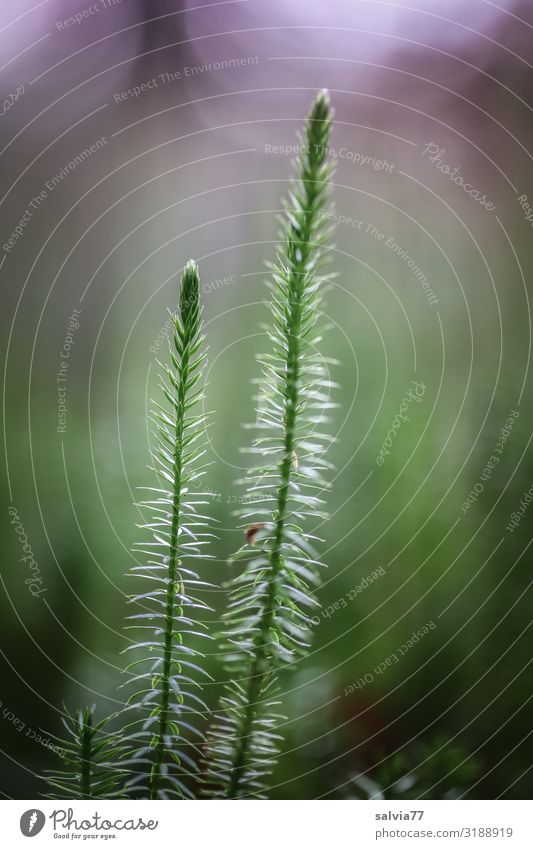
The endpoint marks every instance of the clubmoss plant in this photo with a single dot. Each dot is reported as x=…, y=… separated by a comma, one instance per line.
x=90, y=755
x=267, y=621
x=167, y=667
x=268, y=613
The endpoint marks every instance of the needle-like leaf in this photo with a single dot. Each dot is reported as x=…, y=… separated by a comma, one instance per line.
x=271, y=601
x=90, y=759
x=164, y=674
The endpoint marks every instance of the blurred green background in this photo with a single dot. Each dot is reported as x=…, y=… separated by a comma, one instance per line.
x=186, y=170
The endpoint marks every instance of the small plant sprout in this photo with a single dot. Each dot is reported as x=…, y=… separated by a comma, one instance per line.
x=166, y=670
x=90, y=759
x=268, y=612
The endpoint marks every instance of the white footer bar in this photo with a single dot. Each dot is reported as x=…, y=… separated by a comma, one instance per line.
x=268, y=825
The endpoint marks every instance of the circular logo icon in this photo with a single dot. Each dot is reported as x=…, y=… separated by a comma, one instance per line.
x=32, y=822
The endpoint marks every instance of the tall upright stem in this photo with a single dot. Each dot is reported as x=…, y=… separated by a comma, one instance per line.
x=173, y=587
x=299, y=250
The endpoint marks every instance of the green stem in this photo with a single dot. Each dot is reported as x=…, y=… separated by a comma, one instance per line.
x=86, y=758
x=301, y=256
x=260, y=663
x=260, y=666
x=174, y=581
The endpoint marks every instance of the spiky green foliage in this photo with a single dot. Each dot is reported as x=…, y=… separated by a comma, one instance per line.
x=167, y=668
x=433, y=770
x=90, y=754
x=268, y=615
